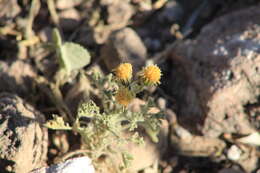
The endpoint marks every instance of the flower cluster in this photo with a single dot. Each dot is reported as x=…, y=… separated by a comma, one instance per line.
x=151, y=75
x=124, y=72
x=148, y=76
x=124, y=96
x=98, y=125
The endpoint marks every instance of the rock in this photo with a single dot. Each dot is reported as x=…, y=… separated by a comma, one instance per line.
x=222, y=67
x=197, y=146
x=161, y=103
x=152, y=44
x=119, y=13
x=16, y=77
x=65, y=4
x=172, y=12
x=79, y=165
x=118, y=16
x=147, y=155
x=69, y=19
x=143, y=156
x=9, y=9
x=77, y=93
x=230, y=58
x=183, y=134
x=46, y=34
x=144, y=6
x=108, y=2
x=124, y=46
x=234, y=153
x=229, y=170
x=23, y=140
x=244, y=156
x=171, y=116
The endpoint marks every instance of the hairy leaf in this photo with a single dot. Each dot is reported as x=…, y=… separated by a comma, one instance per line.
x=73, y=56
x=127, y=158
x=57, y=124
x=56, y=37
x=88, y=109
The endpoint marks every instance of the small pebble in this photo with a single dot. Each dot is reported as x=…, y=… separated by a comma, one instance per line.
x=65, y=4
x=234, y=153
x=171, y=116
x=78, y=165
x=161, y=103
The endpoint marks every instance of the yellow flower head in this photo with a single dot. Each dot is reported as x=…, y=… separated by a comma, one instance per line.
x=124, y=96
x=151, y=75
x=124, y=72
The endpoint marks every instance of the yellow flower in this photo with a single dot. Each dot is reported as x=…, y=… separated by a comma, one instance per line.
x=124, y=72
x=124, y=96
x=151, y=75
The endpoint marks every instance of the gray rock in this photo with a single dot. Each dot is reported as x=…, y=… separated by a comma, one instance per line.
x=229, y=170
x=119, y=13
x=152, y=44
x=222, y=66
x=118, y=16
x=69, y=19
x=196, y=146
x=23, y=140
x=172, y=12
x=9, y=9
x=124, y=46
x=46, y=34
x=229, y=70
x=16, y=77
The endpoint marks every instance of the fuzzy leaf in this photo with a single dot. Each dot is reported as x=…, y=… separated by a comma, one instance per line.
x=57, y=124
x=73, y=56
x=56, y=37
x=137, y=139
x=88, y=109
x=127, y=158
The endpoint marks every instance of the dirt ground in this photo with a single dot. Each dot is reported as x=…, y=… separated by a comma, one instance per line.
x=209, y=55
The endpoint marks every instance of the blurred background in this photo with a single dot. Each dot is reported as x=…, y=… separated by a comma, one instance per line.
x=209, y=55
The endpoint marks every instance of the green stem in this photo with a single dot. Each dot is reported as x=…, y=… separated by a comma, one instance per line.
x=54, y=15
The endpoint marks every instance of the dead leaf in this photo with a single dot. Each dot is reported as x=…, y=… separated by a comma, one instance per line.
x=252, y=139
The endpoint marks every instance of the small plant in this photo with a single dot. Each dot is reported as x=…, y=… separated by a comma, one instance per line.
x=71, y=55
x=103, y=128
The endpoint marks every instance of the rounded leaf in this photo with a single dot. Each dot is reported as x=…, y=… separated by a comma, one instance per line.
x=74, y=56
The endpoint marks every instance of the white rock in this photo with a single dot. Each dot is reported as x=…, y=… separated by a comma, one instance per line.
x=234, y=153
x=183, y=133
x=78, y=165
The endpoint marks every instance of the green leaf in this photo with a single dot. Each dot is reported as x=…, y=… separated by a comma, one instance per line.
x=88, y=109
x=127, y=158
x=57, y=124
x=56, y=37
x=73, y=56
x=137, y=139
x=152, y=131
